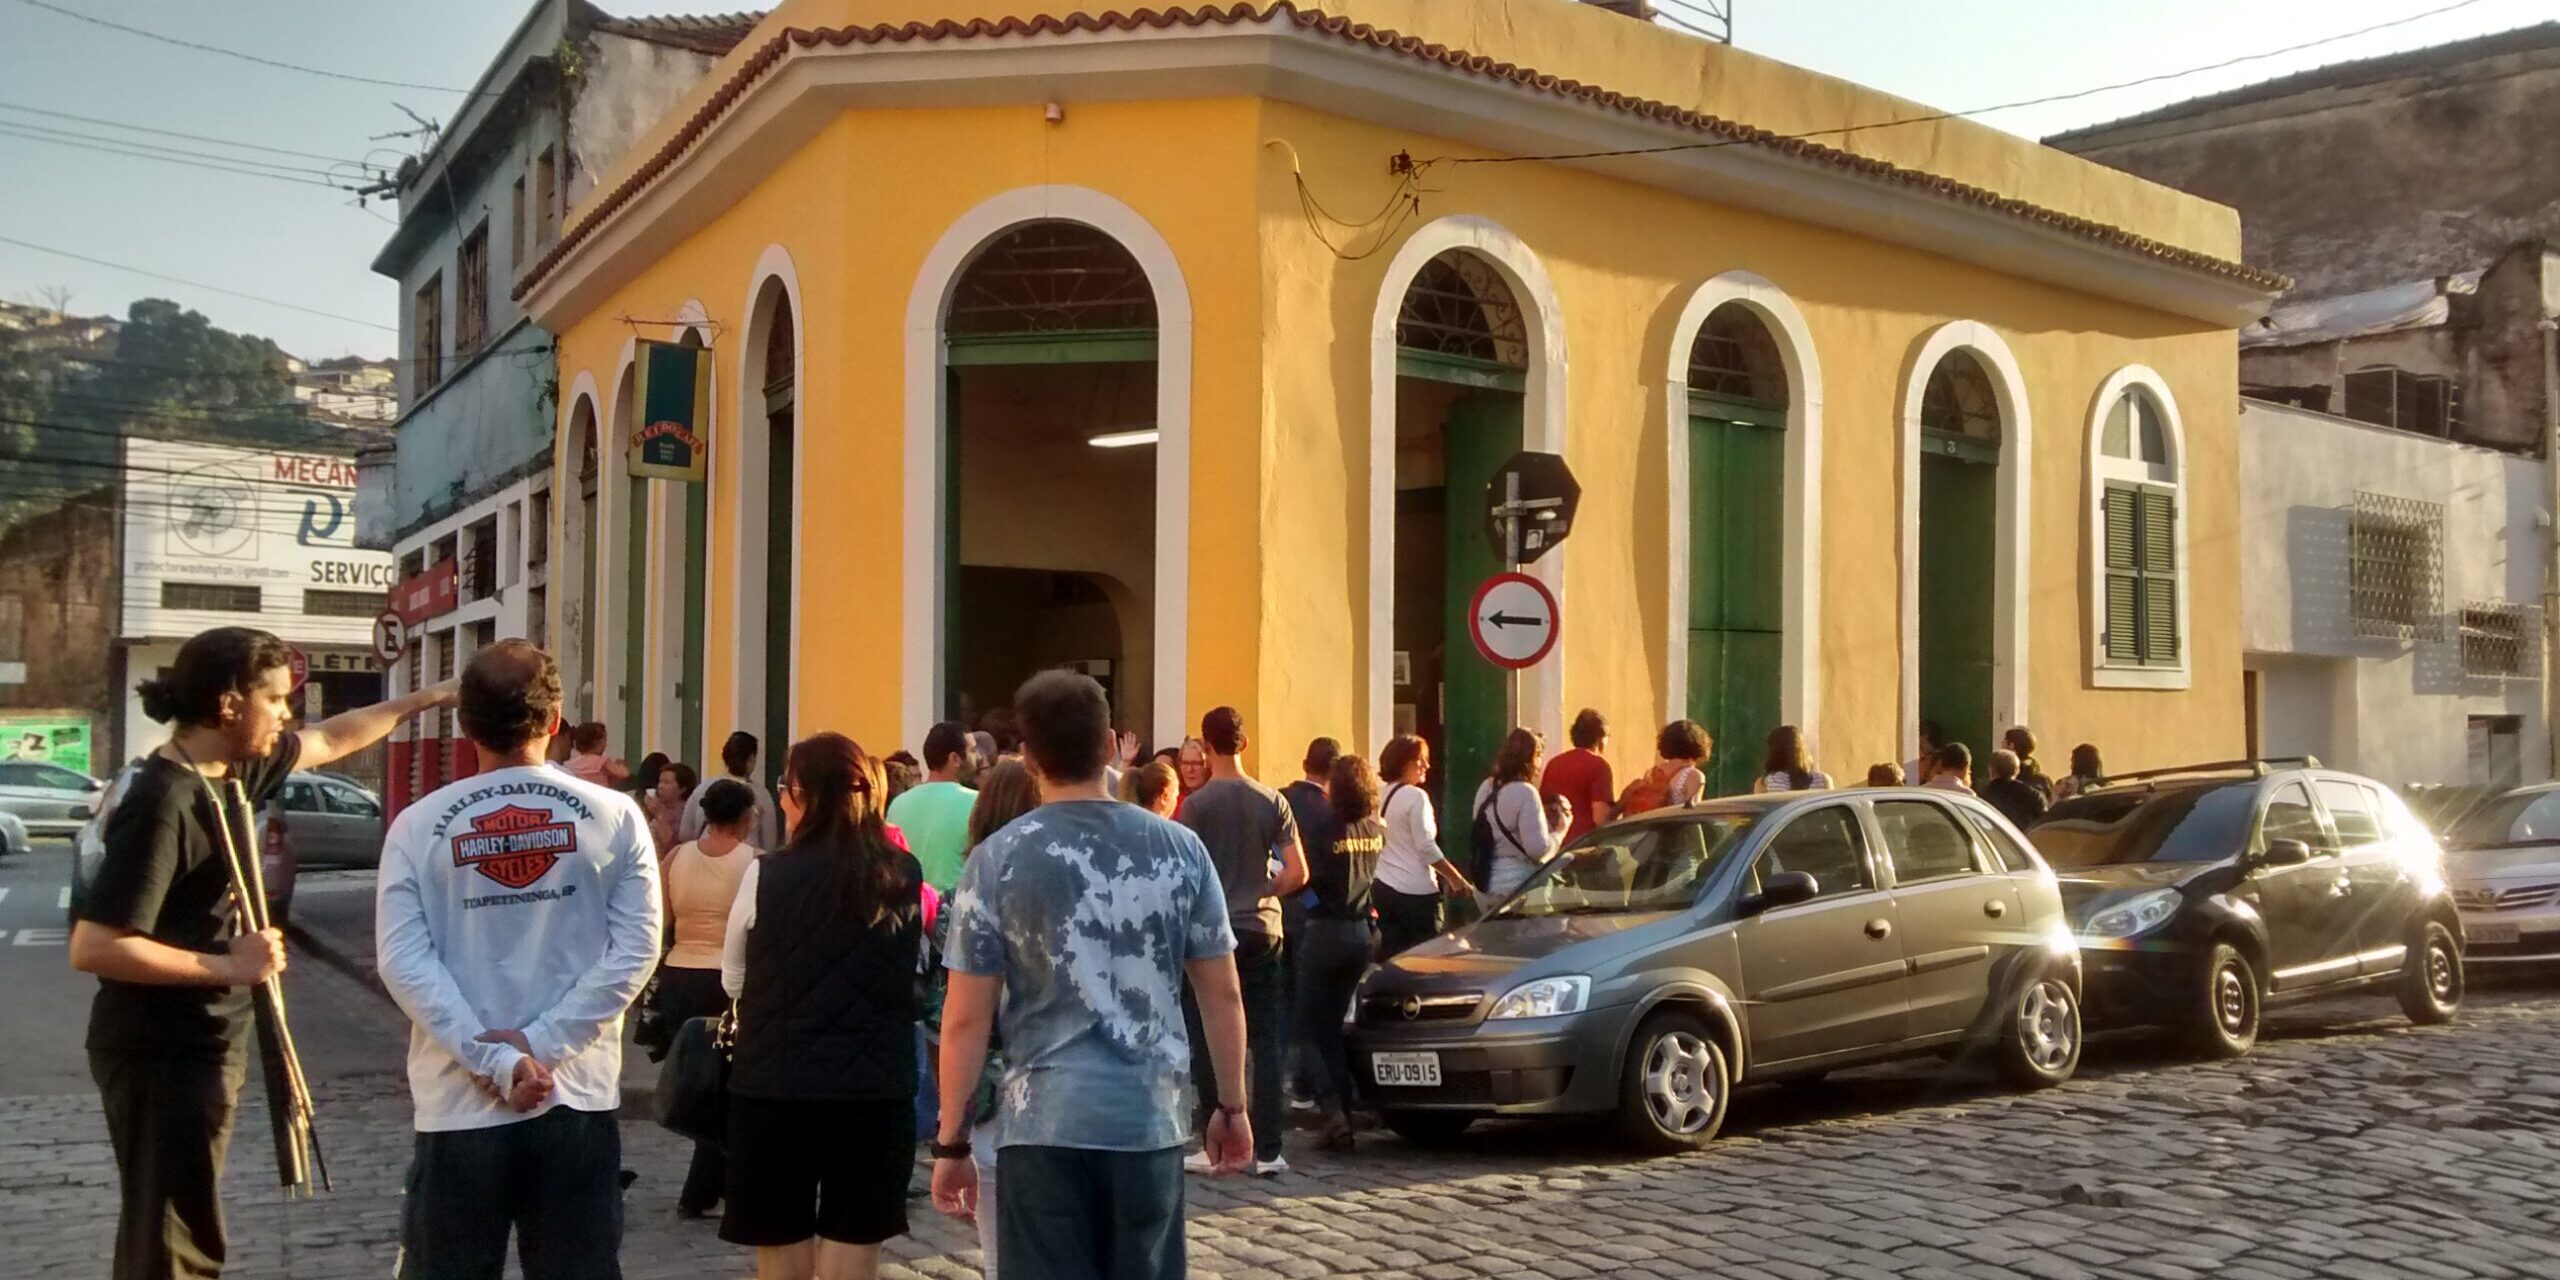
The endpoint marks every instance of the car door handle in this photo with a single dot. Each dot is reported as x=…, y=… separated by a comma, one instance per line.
x=1995, y=910
x=1879, y=928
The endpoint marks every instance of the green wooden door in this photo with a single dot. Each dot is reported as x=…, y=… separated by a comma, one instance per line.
x=1483, y=431
x=1737, y=603
x=781, y=521
x=697, y=539
x=635, y=630
x=1958, y=522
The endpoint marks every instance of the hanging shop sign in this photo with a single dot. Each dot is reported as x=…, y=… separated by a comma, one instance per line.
x=671, y=414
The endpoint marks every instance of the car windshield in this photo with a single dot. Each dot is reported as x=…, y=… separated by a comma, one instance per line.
x=1649, y=867
x=2518, y=817
x=2198, y=824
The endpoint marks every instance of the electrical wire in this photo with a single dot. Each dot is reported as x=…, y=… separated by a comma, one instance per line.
x=12, y=130
x=1938, y=116
x=190, y=137
x=102, y=141
x=209, y=288
x=278, y=64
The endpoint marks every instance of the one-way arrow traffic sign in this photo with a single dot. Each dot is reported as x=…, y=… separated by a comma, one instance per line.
x=1513, y=621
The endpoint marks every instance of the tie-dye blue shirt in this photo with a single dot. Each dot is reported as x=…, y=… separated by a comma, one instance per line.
x=1087, y=909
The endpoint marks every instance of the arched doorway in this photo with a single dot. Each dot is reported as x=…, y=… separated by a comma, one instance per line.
x=1462, y=354
x=768, y=521
x=579, y=629
x=1738, y=530
x=1961, y=433
x=1049, y=471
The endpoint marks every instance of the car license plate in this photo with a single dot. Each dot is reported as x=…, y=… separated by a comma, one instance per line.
x=1406, y=1068
x=2492, y=933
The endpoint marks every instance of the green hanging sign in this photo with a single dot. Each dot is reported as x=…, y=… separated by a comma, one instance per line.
x=671, y=413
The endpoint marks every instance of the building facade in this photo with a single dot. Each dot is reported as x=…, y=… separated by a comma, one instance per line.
x=2389, y=586
x=1195, y=373
x=478, y=385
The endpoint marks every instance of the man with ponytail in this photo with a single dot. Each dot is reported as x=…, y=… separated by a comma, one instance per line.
x=168, y=1032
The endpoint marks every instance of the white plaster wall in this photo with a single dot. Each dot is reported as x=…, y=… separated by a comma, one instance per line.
x=629, y=85
x=2396, y=710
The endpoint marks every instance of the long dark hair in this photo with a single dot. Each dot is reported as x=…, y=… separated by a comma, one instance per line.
x=1517, y=761
x=645, y=778
x=1788, y=756
x=2085, y=762
x=223, y=660
x=840, y=790
x=1005, y=793
x=1352, y=790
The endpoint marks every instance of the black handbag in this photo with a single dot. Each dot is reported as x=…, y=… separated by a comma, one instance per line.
x=693, y=1084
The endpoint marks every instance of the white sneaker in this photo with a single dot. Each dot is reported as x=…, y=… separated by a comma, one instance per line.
x=1271, y=1168
x=1198, y=1162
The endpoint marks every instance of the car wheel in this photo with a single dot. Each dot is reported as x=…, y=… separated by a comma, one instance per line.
x=1676, y=1085
x=2040, y=1045
x=1426, y=1128
x=2223, y=1022
x=2431, y=982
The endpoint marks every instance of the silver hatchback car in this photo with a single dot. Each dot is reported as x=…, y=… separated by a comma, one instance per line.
x=1659, y=962
x=49, y=800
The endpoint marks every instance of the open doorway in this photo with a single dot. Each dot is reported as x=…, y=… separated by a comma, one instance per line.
x=1462, y=357
x=769, y=524
x=1050, y=457
x=1960, y=437
x=1738, y=400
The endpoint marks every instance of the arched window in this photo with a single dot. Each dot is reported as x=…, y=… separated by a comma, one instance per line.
x=2138, y=536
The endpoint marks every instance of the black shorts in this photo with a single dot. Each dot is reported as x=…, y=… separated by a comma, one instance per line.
x=831, y=1170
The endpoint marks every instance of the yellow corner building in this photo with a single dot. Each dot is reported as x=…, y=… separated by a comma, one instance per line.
x=1180, y=345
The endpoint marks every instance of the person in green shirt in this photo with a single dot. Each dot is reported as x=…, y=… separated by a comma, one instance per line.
x=934, y=814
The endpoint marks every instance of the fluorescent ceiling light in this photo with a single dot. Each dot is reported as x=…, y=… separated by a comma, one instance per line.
x=1123, y=439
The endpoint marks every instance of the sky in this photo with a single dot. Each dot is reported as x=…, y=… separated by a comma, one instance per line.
x=311, y=246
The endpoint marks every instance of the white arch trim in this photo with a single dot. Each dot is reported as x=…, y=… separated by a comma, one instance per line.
x=1542, y=428
x=2010, y=524
x=565, y=453
x=747, y=675
x=1800, y=666
x=613, y=498
x=923, y=570
x=2102, y=469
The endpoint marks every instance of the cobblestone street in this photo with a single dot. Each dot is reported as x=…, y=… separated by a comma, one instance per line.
x=2350, y=1145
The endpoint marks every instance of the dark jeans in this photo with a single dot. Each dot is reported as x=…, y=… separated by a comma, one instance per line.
x=1266, y=1040
x=1331, y=956
x=555, y=1179
x=685, y=994
x=1070, y=1214
x=1305, y=1077
x=169, y=1121
x=1405, y=920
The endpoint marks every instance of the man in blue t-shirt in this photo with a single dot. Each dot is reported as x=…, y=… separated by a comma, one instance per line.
x=1081, y=920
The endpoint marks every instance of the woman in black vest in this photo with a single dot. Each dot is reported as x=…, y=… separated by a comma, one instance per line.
x=822, y=955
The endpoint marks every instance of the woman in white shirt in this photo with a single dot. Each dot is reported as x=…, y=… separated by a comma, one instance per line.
x=1508, y=801
x=1789, y=766
x=1412, y=870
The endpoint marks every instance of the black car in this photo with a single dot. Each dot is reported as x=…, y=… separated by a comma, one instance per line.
x=2203, y=895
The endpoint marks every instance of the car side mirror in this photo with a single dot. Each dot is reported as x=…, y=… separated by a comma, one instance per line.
x=96, y=785
x=2284, y=853
x=1785, y=889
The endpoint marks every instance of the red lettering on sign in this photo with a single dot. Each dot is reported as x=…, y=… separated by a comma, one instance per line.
x=336, y=473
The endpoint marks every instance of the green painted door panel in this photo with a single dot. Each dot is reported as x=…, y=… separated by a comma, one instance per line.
x=1483, y=432
x=634, y=675
x=1737, y=607
x=697, y=540
x=1958, y=516
x=781, y=522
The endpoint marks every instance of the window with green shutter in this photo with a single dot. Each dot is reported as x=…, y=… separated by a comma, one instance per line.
x=2142, y=574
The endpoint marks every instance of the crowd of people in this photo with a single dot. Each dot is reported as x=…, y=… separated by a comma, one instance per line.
x=1052, y=960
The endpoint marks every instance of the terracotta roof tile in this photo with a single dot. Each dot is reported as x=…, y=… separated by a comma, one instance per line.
x=775, y=49
x=714, y=33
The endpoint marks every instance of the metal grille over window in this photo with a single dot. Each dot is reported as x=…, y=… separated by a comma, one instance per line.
x=1053, y=277
x=2396, y=567
x=1959, y=401
x=1458, y=305
x=212, y=597
x=1736, y=357
x=2498, y=639
x=342, y=604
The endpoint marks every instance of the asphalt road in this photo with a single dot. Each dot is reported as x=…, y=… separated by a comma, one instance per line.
x=345, y=1030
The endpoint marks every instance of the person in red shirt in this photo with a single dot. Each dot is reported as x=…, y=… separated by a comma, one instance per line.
x=1581, y=776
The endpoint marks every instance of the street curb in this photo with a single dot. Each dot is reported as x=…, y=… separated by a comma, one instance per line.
x=327, y=953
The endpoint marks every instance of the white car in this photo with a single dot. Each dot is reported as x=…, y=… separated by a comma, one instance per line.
x=2503, y=861
x=49, y=799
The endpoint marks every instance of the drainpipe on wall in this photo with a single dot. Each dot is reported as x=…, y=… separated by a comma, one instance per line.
x=2551, y=541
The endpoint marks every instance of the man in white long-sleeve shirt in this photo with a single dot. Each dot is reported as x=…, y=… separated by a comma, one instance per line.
x=517, y=918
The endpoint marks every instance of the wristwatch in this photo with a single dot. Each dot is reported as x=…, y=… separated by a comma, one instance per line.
x=949, y=1150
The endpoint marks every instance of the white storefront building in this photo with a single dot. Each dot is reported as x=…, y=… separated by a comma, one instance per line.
x=216, y=536
x=2389, y=598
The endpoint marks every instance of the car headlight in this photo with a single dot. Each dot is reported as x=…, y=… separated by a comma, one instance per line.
x=1544, y=998
x=2133, y=915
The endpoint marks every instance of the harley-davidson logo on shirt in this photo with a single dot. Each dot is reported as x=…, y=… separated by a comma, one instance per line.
x=515, y=845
